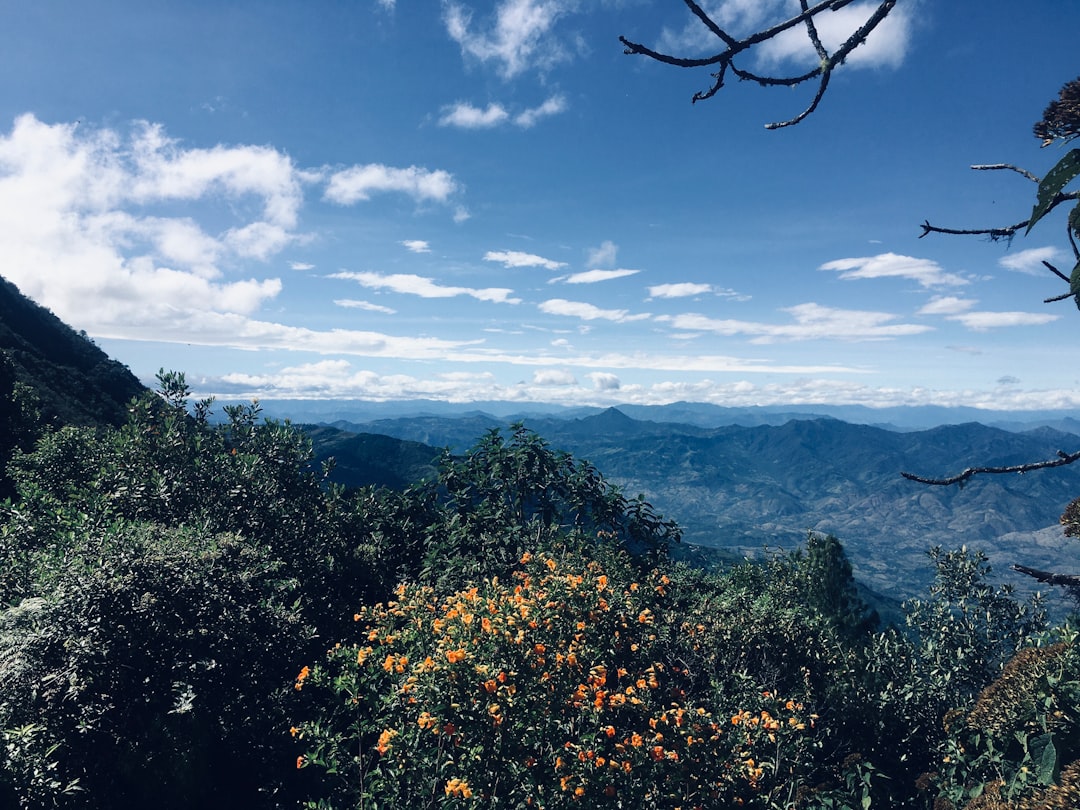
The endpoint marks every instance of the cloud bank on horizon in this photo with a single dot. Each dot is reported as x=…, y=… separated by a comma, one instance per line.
x=413, y=278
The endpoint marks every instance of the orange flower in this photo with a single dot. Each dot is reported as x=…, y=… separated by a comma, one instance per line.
x=384, y=740
x=454, y=656
x=304, y=673
x=300, y=762
x=550, y=563
x=610, y=731
x=458, y=787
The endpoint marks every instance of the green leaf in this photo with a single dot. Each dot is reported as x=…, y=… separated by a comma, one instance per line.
x=1074, y=219
x=1045, y=755
x=1066, y=169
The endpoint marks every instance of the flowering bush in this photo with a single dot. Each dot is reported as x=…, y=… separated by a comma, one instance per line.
x=549, y=689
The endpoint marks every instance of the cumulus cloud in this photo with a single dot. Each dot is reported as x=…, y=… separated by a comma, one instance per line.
x=416, y=245
x=111, y=228
x=410, y=284
x=587, y=312
x=925, y=272
x=605, y=381
x=1030, y=261
x=515, y=258
x=521, y=36
x=73, y=201
x=593, y=276
x=358, y=183
x=465, y=116
x=811, y=322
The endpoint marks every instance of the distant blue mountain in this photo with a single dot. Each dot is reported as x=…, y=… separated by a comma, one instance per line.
x=743, y=488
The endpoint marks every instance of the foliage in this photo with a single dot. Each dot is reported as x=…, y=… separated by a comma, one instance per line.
x=148, y=671
x=552, y=687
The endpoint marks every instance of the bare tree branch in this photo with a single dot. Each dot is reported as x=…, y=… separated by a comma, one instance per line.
x=1062, y=459
x=725, y=59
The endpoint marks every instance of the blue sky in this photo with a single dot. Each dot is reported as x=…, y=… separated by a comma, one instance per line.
x=489, y=201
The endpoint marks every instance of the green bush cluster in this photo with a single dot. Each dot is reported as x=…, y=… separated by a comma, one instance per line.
x=192, y=614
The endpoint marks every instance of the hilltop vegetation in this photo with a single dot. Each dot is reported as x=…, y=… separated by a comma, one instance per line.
x=193, y=615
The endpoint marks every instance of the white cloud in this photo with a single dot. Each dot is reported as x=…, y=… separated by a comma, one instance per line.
x=605, y=381
x=465, y=116
x=947, y=305
x=552, y=376
x=521, y=37
x=530, y=117
x=410, y=284
x=339, y=379
x=515, y=258
x=416, y=245
x=891, y=265
x=301, y=266
x=602, y=256
x=350, y=303
x=359, y=182
x=1030, y=261
x=887, y=45
x=594, y=276
x=684, y=289
x=587, y=312
x=75, y=235
x=982, y=321
x=811, y=322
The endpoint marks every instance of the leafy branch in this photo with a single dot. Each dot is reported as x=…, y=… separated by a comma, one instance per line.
x=733, y=47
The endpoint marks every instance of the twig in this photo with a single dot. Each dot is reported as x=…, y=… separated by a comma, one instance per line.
x=1062, y=459
x=724, y=60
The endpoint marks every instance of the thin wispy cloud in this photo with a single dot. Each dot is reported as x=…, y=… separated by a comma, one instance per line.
x=684, y=289
x=359, y=183
x=519, y=36
x=416, y=245
x=983, y=321
x=947, y=305
x=810, y=322
x=1030, y=261
x=925, y=272
x=532, y=116
x=410, y=284
x=594, y=276
x=516, y=258
x=587, y=312
x=602, y=256
x=367, y=306
x=301, y=266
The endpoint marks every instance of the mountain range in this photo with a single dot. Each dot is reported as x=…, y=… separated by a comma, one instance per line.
x=746, y=488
